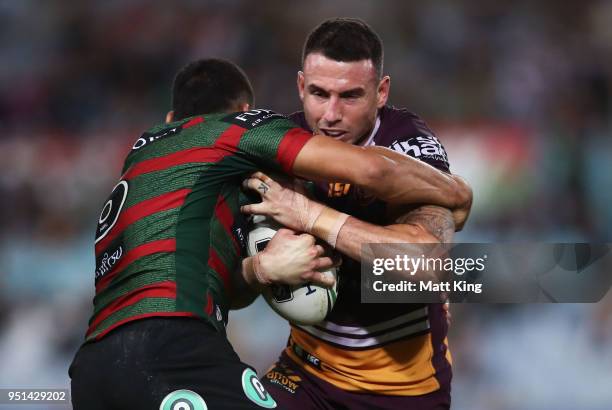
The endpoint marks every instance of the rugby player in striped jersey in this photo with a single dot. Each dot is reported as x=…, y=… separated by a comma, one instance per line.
x=170, y=236
x=364, y=356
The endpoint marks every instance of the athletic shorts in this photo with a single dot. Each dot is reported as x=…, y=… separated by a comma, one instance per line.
x=295, y=388
x=167, y=364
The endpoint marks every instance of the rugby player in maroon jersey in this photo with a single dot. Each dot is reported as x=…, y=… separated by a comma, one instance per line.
x=365, y=355
x=170, y=235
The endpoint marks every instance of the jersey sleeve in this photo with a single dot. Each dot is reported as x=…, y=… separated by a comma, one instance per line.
x=419, y=141
x=271, y=140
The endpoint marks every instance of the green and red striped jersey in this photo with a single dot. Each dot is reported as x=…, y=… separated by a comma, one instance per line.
x=170, y=233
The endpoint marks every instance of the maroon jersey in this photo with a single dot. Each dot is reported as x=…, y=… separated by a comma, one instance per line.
x=396, y=349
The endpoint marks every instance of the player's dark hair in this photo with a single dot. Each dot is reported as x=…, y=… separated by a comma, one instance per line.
x=345, y=39
x=209, y=85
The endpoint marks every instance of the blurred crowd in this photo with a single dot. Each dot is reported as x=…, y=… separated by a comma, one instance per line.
x=519, y=93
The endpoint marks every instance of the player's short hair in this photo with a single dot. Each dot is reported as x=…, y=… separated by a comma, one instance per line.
x=345, y=39
x=209, y=85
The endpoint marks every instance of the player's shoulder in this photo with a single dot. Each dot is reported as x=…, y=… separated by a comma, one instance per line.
x=392, y=112
x=299, y=118
x=163, y=138
x=400, y=123
x=407, y=133
x=164, y=130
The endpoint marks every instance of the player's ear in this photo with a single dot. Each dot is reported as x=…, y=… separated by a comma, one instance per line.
x=170, y=117
x=383, y=91
x=300, y=84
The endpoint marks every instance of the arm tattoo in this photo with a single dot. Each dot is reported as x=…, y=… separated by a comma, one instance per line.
x=436, y=220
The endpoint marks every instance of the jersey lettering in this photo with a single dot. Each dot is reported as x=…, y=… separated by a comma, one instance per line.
x=148, y=137
x=427, y=147
x=338, y=189
x=253, y=118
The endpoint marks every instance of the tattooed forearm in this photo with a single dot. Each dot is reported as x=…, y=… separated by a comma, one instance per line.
x=436, y=220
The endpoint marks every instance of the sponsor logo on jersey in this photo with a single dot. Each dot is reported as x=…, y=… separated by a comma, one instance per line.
x=253, y=118
x=284, y=377
x=306, y=356
x=183, y=400
x=149, y=137
x=255, y=391
x=338, y=189
x=240, y=236
x=313, y=360
x=341, y=190
x=107, y=260
x=111, y=210
x=239, y=228
x=421, y=147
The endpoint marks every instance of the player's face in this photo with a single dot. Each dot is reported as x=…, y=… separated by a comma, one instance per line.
x=341, y=99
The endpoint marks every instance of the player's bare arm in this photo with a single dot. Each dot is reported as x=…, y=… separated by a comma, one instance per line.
x=435, y=220
x=425, y=224
x=391, y=177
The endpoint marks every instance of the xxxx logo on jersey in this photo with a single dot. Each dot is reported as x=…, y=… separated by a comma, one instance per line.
x=338, y=189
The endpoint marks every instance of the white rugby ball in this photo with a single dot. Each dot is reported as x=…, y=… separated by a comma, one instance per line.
x=300, y=304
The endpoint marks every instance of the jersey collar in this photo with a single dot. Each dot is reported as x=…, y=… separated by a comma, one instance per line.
x=370, y=140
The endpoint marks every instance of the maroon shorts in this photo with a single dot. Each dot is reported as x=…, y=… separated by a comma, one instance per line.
x=295, y=388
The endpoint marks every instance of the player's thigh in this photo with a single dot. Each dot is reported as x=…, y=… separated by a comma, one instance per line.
x=164, y=364
x=198, y=368
x=228, y=386
x=83, y=395
x=87, y=380
x=295, y=388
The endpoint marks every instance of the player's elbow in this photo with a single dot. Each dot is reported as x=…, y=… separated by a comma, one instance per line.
x=463, y=194
x=463, y=202
x=422, y=235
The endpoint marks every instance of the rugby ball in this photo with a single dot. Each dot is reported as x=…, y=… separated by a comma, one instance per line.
x=300, y=304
